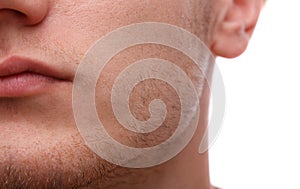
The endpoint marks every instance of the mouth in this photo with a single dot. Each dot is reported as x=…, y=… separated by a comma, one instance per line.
x=21, y=77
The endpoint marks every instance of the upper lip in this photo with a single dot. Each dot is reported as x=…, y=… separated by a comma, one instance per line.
x=17, y=65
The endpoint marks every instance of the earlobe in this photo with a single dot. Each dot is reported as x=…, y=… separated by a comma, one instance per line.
x=233, y=29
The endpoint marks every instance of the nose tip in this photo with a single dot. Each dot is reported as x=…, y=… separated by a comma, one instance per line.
x=30, y=12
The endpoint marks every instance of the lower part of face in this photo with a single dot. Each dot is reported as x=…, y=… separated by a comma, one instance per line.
x=40, y=146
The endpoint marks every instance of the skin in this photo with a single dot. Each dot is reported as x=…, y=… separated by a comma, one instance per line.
x=40, y=146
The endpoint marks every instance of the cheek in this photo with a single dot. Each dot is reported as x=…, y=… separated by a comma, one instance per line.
x=142, y=94
x=77, y=25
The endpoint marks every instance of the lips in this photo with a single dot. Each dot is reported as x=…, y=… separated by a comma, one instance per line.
x=24, y=77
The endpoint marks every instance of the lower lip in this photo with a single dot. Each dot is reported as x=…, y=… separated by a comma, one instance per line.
x=25, y=84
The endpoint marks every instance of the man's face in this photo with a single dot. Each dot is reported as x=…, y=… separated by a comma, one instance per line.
x=41, y=45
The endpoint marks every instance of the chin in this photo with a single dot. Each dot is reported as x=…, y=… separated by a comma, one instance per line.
x=53, y=161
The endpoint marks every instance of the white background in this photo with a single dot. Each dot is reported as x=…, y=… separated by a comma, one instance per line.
x=259, y=145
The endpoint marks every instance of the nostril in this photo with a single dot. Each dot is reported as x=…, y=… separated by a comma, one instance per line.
x=25, y=12
x=8, y=15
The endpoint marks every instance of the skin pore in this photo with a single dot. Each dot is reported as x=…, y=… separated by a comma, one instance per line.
x=40, y=146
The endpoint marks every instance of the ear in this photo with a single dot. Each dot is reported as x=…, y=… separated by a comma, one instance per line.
x=233, y=27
